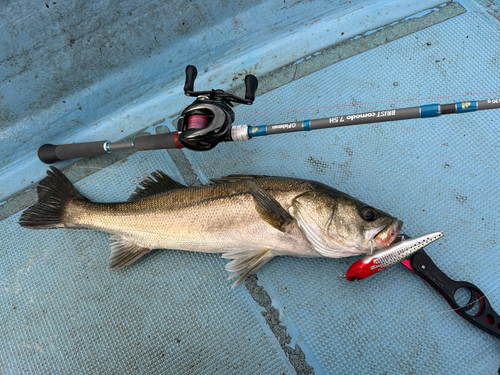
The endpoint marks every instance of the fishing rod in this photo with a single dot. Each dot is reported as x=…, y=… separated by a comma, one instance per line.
x=208, y=121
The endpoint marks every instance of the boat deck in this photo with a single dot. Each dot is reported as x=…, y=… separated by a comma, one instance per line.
x=103, y=71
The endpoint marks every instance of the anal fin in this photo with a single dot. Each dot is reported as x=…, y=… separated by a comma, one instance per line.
x=247, y=261
x=124, y=252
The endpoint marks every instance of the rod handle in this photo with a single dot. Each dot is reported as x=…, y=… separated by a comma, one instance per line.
x=49, y=153
x=157, y=142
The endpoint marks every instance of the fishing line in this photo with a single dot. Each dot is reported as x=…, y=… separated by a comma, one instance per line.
x=208, y=121
x=472, y=309
x=368, y=103
x=468, y=304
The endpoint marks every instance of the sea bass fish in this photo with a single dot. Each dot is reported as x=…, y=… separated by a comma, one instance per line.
x=250, y=219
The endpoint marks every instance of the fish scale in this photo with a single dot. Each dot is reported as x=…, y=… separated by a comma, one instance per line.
x=207, y=219
x=250, y=219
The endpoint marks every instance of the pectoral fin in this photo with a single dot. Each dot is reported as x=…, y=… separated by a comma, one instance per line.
x=269, y=208
x=245, y=262
x=124, y=252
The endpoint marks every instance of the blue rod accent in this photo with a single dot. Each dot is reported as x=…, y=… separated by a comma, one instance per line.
x=463, y=107
x=257, y=131
x=306, y=125
x=429, y=110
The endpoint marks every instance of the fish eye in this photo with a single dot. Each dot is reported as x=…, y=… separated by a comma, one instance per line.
x=368, y=213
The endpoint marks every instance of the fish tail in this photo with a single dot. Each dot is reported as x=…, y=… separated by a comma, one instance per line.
x=54, y=192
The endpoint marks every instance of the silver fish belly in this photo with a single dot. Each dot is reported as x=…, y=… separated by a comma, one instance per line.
x=250, y=219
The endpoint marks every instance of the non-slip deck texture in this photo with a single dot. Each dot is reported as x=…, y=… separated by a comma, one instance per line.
x=63, y=312
x=434, y=174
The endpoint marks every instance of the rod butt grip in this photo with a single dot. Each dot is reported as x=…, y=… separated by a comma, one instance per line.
x=47, y=154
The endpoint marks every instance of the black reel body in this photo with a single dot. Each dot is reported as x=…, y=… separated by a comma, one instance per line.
x=204, y=124
x=207, y=121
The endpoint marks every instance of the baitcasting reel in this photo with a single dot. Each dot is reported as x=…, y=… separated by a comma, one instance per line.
x=207, y=121
x=201, y=126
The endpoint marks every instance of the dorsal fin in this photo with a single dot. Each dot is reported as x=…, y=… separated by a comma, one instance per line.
x=157, y=182
x=236, y=177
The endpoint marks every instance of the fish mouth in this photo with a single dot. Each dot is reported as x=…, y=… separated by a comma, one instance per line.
x=389, y=233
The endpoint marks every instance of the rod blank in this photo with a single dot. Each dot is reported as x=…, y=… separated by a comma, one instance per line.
x=424, y=111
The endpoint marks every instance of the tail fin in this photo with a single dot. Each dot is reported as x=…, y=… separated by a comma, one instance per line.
x=54, y=193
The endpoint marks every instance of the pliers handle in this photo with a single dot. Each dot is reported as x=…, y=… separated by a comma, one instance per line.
x=477, y=310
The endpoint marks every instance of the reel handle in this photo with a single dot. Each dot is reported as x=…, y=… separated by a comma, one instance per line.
x=191, y=74
x=251, y=85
